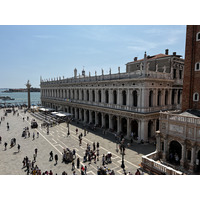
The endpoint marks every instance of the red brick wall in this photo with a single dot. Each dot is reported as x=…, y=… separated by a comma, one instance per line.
x=191, y=82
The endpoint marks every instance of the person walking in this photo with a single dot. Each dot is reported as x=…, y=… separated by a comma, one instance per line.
x=85, y=170
x=85, y=132
x=33, y=136
x=18, y=147
x=97, y=154
x=97, y=145
x=78, y=163
x=73, y=167
x=51, y=156
x=5, y=144
x=34, y=156
x=94, y=146
x=0, y=139
x=103, y=160
x=56, y=158
x=37, y=134
x=36, y=150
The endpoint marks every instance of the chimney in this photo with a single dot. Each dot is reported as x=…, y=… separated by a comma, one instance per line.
x=166, y=51
x=135, y=59
x=174, y=53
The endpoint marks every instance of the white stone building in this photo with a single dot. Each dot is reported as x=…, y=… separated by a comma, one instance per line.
x=123, y=102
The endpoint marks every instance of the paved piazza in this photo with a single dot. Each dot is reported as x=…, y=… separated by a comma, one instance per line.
x=56, y=141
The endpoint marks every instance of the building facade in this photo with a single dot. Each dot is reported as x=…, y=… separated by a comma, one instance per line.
x=178, y=140
x=122, y=102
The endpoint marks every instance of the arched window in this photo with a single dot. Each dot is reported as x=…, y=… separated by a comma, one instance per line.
x=115, y=97
x=124, y=98
x=88, y=95
x=99, y=96
x=166, y=97
x=196, y=96
x=198, y=36
x=159, y=98
x=135, y=98
x=82, y=95
x=107, y=96
x=77, y=94
x=151, y=98
x=93, y=95
x=197, y=66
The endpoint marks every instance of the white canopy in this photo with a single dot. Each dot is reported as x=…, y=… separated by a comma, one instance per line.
x=61, y=115
x=46, y=109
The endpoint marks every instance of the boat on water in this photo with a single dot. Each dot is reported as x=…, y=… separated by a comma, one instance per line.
x=6, y=98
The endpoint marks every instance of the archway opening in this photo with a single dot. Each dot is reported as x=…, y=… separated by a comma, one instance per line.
x=82, y=115
x=150, y=129
x=77, y=112
x=106, y=121
x=93, y=117
x=124, y=126
x=135, y=98
x=151, y=98
x=107, y=96
x=134, y=129
x=114, y=121
x=99, y=119
x=114, y=97
x=87, y=116
x=175, y=152
x=124, y=98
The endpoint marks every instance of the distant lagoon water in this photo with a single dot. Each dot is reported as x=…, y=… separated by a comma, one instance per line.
x=20, y=97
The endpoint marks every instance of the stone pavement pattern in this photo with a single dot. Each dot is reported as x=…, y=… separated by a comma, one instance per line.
x=56, y=141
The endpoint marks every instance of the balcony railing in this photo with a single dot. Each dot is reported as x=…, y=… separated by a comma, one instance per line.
x=149, y=163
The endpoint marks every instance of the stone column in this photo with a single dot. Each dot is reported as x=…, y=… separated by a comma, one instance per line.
x=158, y=147
x=96, y=120
x=85, y=117
x=103, y=119
x=110, y=101
x=182, y=161
x=128, y=129
x=110, y=122
x=155, y=97
x=165, y=147
x=118, y=124
x=28, y=85
x=118, y=97
x=192, y=157
x=144, y=130
x=170, y=97
x=90, y=116
x=128, y=97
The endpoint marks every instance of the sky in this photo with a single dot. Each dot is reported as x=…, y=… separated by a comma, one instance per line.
x=30, y=51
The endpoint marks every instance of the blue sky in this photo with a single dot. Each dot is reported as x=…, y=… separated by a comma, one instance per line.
x=28, y=52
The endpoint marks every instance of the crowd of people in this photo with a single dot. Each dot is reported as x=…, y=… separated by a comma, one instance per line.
x=91, y=153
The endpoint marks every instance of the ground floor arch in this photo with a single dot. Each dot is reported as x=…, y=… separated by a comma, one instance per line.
x=99, y=116
x=175, y=152
x=124, y=126
x=106, y=121
x=134, y=129
x=114, y=122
